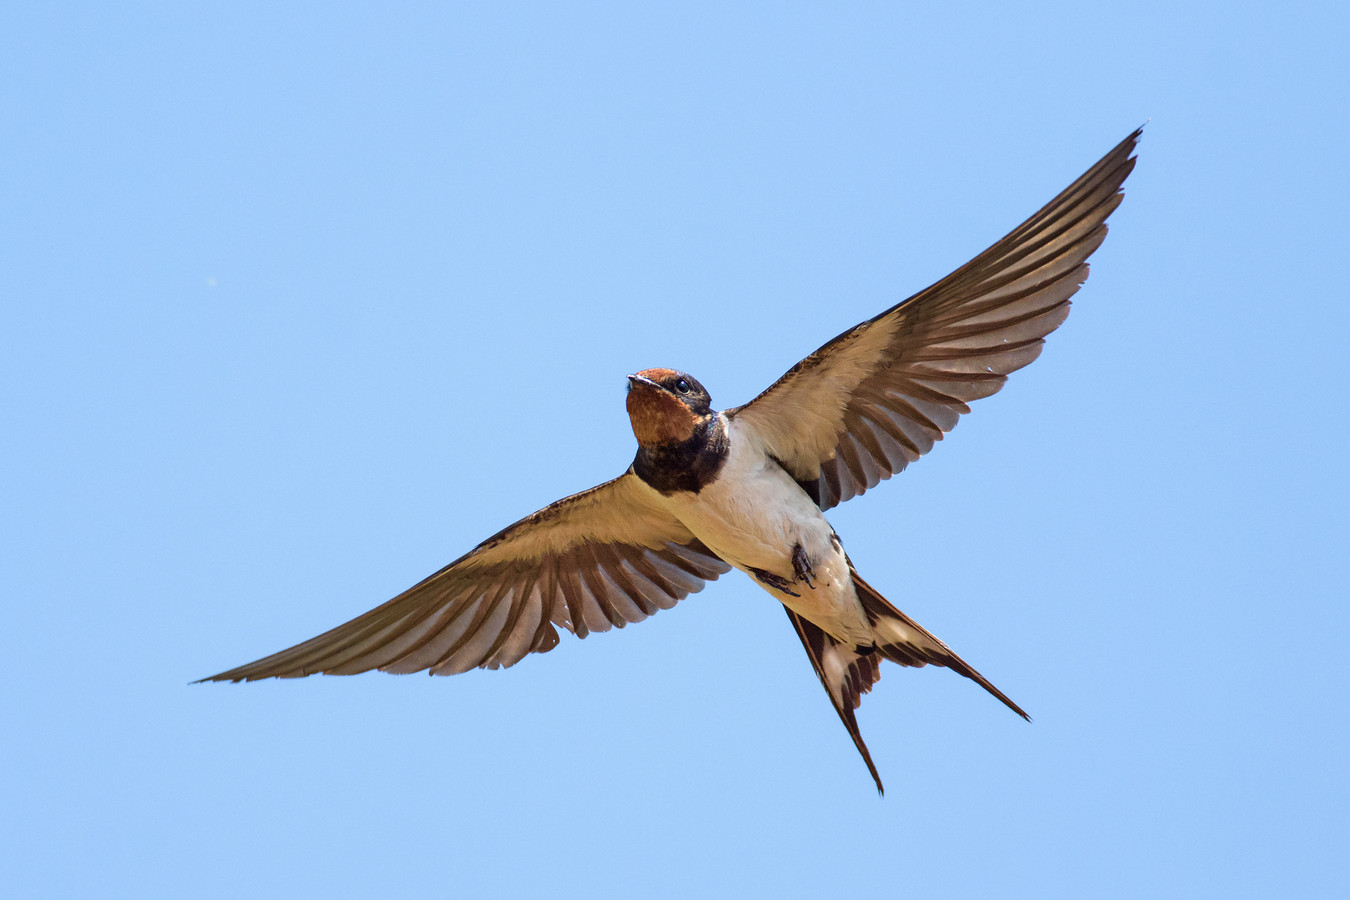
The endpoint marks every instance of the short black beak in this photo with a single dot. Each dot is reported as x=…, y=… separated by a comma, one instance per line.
x=640, y=379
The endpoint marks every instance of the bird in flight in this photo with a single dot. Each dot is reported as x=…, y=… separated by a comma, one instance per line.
x=747, y=487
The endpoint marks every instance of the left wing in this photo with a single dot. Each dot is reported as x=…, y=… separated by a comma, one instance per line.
x=878, y=396
x=601, y=558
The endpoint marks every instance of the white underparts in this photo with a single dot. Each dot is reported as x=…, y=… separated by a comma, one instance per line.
x=753, y=514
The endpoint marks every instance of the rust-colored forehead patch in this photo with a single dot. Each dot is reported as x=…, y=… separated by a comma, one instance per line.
x=658, y=375
x=658, y=416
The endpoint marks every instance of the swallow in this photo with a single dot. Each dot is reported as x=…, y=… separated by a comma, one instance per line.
x=748, y=487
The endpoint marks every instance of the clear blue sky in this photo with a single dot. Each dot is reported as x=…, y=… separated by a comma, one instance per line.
x=299, y=302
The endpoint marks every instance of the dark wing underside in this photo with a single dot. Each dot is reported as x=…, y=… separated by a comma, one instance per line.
x=878, y=396
x=599, y=559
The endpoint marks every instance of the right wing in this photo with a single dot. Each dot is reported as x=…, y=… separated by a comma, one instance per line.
x=604, y=557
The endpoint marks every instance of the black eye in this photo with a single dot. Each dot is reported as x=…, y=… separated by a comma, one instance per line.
x=682, y=386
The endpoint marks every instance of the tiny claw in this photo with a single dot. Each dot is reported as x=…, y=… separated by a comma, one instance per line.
x=802, y=566
x=778, y=582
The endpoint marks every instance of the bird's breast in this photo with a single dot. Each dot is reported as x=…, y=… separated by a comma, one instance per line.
x=753, y=514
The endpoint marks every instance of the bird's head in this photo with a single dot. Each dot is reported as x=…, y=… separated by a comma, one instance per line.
x=666, y=406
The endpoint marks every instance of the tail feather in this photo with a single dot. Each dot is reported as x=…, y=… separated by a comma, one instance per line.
x=847, y=671
x=913, y=645
x=846, y=674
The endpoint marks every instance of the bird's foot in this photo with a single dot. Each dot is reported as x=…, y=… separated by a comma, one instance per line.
x=802, y=566
x=777, y=582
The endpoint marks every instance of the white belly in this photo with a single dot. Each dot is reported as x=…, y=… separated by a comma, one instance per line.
x=753, y=515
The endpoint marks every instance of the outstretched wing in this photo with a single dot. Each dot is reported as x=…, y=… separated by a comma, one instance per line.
x=878, y=396
x=604, y=557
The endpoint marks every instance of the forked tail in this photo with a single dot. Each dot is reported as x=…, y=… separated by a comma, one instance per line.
x=847, y=671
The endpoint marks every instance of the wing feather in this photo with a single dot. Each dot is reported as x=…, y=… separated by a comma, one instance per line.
x=522, y=636
x=596, y=560
x=880, y=395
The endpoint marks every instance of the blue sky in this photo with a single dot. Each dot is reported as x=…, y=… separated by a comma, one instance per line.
x=302, y=301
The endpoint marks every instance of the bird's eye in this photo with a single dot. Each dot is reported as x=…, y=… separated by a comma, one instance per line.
x=682, y=386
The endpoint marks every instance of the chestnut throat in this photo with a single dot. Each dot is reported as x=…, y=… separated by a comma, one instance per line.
x=688, y=465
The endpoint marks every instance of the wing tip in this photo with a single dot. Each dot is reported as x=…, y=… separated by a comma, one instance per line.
x=239, y=675
x=230, y=675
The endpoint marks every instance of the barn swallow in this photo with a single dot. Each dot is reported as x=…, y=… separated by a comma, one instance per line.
x=747, y=487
